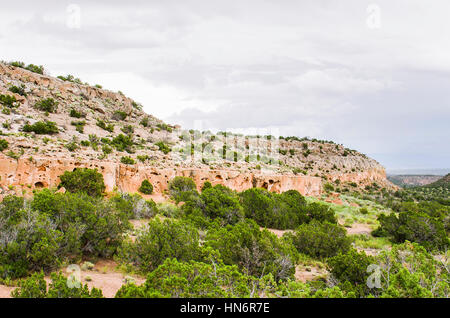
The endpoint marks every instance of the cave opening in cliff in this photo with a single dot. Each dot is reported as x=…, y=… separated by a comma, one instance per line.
x=38, y=185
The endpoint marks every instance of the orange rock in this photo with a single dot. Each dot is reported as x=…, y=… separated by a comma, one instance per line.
x=45, y=171
x=61, y=190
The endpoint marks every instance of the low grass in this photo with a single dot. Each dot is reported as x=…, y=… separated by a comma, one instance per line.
x=347, y=214
x=368, y=241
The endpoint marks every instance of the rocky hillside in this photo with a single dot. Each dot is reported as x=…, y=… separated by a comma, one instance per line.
x=412, y=180
x=50, y=125
x=443, y=182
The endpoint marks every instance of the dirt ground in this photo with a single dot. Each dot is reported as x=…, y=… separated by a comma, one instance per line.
x=278, y=233
x=103, y=276
x=368, y=251
x=358, y=228
x=5, y=291
x=307, y=273
x=139, y=223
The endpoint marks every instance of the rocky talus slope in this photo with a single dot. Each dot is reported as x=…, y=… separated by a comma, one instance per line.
x=52, y=125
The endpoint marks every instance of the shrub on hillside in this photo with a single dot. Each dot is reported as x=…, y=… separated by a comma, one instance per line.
x=72, y=146
x=144, y=122
x=36, y=287
x=274, y=210
x=42, y=128
x=193, y=279
x=256, y=252
x=91, y=225
x=146, y=187
x=20, y=90
x=409, y=271
x=415, y=227
x=84, y=180
x=143, y=158
x=29, y=241
x=321, y=239
x=319, y=212
x=122, y=142
x=128, y=129
x=127, y=160
x=163, y=147
x=181, y=188
x=70, y=78
x=79, y=125
x=29, y=67
x=206, y=185
x=328, y=187
x=282, y=211
x=258, y=205
x=134, y=206
x=119, y=115
x=47, y=105
x=3, y=144
x=10, y=209
x=217, y=203
x=76, y=114
x=352, y=267
x=161, y=240
x=8, y=101
x=103, y=125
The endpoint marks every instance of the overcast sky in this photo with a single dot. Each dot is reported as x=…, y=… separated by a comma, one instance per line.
x=374, y=76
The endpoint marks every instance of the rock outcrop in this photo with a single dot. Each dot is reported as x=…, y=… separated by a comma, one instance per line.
x=24, y=176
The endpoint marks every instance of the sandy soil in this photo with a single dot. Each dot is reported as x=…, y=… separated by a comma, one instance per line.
x=5, y=291
x=139, y=223
x=307, y=273
x=369, y=251
x=278, y=233
x=358, y=228
x=103, y=276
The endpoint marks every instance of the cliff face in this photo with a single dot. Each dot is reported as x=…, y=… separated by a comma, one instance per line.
x=23, y=176
x=90, y=120
x=368, y=176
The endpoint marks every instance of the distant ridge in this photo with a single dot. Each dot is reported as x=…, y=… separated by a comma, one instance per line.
x=412, y=180
x=441, y=183
x=435, y=172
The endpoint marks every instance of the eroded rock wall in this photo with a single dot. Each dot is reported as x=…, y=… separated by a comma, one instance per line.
x=366, y=177
x=24, y=175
